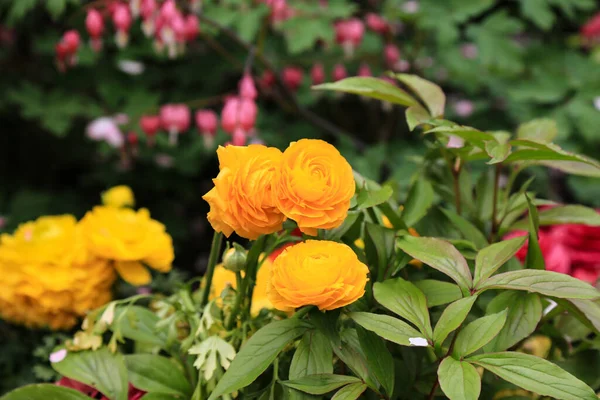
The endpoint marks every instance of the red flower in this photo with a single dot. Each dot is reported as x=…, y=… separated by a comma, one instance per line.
x=133, y=393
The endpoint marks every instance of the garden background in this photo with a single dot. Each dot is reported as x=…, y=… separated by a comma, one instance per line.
x=500, y=63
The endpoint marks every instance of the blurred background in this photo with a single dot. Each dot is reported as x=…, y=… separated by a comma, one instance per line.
x=94, y=94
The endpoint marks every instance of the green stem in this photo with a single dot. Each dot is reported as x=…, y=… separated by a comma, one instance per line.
x=215, y=250
x=302, y=312
x=494, y=229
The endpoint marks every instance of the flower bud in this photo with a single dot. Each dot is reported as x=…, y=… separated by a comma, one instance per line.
x=317, y=74
x=267, y=80
x=391, y=55
x=234, y=259
x=94, y=23
x=207, y=121
x=71, y=39
x=150, y=124
x=591, y=29
x=247, y=88
x=339, y=72
x=292, y=77
x=364, y=70
x=376, y=23
x=464, y=108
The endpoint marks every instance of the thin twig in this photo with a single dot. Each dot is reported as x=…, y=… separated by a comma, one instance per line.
x=311, y=117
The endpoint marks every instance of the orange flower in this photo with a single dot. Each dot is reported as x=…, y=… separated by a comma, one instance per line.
x=314, y=185
x=321, y=273
x=242, y=200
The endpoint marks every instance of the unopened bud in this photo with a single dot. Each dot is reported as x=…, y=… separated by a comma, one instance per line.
x=234, y=259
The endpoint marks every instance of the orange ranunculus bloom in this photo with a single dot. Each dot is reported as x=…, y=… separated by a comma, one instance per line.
x=314, y=185
x=320, y=273
x=242, y=199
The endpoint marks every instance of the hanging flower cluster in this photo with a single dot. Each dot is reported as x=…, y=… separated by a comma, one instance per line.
x=259, y=187
x=55, y=269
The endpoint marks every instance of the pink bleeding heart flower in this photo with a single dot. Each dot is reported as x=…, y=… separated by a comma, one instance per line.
x=376, y=23
x=364, y=70
x=238, y=113
x=391, y=55
x=122, y=20
x=247, y=88
x=292, y=77
x=175, y=118
x=317, y=74
x=339, y=72
x=191, y=27
x=94, y=24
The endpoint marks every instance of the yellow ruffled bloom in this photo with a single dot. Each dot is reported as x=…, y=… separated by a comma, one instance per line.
x=314, y=185
x=325, y=274
x=118, y=196
x=224, y=277
x=242, y=199
x=49, y=279
x=129, y=238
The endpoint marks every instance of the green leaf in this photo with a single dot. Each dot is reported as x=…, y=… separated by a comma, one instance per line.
x=416, y=115
x=418, y=201
x=44, y=391
x=248, y=22
x=497, y=151
x=470, y=135
x=313, y=356
x=387, y=327
x=257, y=354
x=524, y=313
x=544, y=282
x=440, y=255
x=459, y=380
x=590, y=310
x=139, y=323
x=431, y=94
x=350, y=392
x=452, y=317
x=56, y=8
x=535, y=374
x=468, y=230
x=100, y=369
x=535, y=258
x=19, y=9
x=535, y=151
x=438, y=293
x=379, y=358
x=568, y=214
x=543, y=130
x=406, y=300
x=301, y=34
x=490, y=258
x=539, y=12
x=478, y=333
x=368, y=198
x=320, y=383
x=370, y=87
x=379, y=247
x=160, y=396
x=156, y=374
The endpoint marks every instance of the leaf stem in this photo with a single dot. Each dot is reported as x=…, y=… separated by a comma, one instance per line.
x=215, y=250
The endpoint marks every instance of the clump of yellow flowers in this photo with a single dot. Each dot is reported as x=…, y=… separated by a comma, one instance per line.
x=55, y=269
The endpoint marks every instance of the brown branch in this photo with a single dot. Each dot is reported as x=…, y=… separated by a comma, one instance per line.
x=308, y=115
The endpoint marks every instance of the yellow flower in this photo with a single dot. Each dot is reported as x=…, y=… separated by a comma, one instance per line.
x=224, y=277
x=314, y=185
x=118, y=196
x=320, y=273
x=242, y=200
x=129, y=238
x=48, y=277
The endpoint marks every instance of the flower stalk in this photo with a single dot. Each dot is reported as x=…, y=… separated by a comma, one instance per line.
x=215, y=250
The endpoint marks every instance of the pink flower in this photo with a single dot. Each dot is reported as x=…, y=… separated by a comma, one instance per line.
x=122, y=20
x=292, y=77
x=175, y=118
x=132, y=394
x=72, y=40
x=239, y=137
x=94, y=23
x=469, y=51
x=148, y=13
x=105, y=129
x=339, y=72
x=168, y=11
x=391, y=55
x=280, y=11
x=317, y=74
x=349, y=34
x=207, y=121
x=591, y=29
x=364, y=70
x=150, y=124
x=238, y=113
x=267, y=80
x=455, y=142
x=464, y=108
x=191, y=27
x=376, y=23
x=247, y=88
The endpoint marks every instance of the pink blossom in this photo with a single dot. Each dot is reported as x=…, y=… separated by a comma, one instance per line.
x=317, y=74
x=364, y=70
x=376, y=23
x=175, y=118
x=391, y=54
x=455, y=142
x=247, y=88
x=207, y=121
x=464, y=108
x=239, y=137
x=292, y=77
x=339, y=72
x=105, y=129
x=122, y=20
x=469, y=51
x=238, y=112
x=148, y=12
x=591, y=29
x=267, y=80
x=72, y=40
x=192, y=27
x=94, y=23
x=349, y=34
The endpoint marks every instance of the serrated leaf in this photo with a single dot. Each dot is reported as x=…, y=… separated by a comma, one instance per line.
x=418, y=201
x=257, y=354
x=524, y=313
x=320, y=383
x=370, y=87
x=544, y=282
x=100, y=369
x=431, y=94
x=389, y=328
x=440, y=255
x=492, y=257
x=406, y=300
x=535, y=374
x=478, y=333
x=452, y=317
x=438, y=293
x=459, y=380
